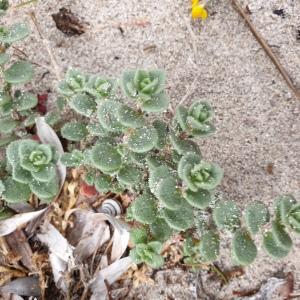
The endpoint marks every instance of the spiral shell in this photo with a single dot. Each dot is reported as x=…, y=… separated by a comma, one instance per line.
x=111, y=207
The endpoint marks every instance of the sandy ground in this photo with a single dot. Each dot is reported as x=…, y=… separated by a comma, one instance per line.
x=257, y=117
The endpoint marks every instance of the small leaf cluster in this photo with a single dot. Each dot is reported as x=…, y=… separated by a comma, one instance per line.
x=31, y=168
x=145, y=251
x=17, y=108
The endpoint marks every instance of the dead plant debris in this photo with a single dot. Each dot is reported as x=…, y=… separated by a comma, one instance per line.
x=68, y=23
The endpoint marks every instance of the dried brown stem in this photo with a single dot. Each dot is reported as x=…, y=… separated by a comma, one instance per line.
x=46, y=43
x=266, y=47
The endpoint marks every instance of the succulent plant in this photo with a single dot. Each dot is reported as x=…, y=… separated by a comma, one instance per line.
x=33, y=170
x=197, y=119
x=18, y=108
x=148, y=253
x=130, y=146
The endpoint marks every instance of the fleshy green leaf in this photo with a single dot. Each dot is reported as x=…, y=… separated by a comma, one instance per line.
x=139, y=235
x=52, y=118
x=226, y=215
x=135, y=256
x=157, y=175
x=15, y=191
x=45, y=174
x=162, y=132
x=101, y=87
x=19, y=72
x=142, y=84
x=181, y=219
x=200, y=199
x=96, y=129
x=83, y=104
x=169, y=194
x=144, y=208
x=157, y=103
x=74, y=131
x=142, y=139
x=181, y=115
x=280, y=236
x=12, y=152
x=202, y=221
x=244, y=250
x=108, y=115
x=129, y=117
x=272, y=248
x=106, y=158
x=283, y=205
x=73, y=159
x=130, y=175
x=294, y=218
x=4, y=141
x=210, y=246
x=198, y=119
x=21, y=175
x=90, y=176
x=183, y=146
x=189, y=158
x=25, y=101
x=204, y=175
x=45, y=190
x=15, y=33
x=256, y=215
x=160, y=230
x=7, y=125
x=153, y=161
x=103, y=183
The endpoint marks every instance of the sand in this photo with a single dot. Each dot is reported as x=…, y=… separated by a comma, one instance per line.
x=257, y=116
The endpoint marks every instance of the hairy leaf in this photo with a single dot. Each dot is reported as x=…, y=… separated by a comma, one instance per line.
x=142, y=139
x=226, y=215
x=210, y=246
x=256, y=215
x=129, y=117
x=83, y=104
x=106, y=158
x=244, y=250
x=144, y=208
x=15, y=191
x=74, y=131
x=19, y=72
x=272, y=248
x=200, y=199
x=181, y=219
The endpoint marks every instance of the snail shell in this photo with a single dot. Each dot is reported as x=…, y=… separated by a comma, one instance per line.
x=111, y=207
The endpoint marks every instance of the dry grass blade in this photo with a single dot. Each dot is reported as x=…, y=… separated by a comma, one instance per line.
x=267, y=48
x=26, y=286
x=61, y=255
x=7, y=226
x=46, y=43
x=17, y=241
x=109, y=275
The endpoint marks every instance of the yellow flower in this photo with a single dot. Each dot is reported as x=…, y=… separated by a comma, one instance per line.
x=198, y=10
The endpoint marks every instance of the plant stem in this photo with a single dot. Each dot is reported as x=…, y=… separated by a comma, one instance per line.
x=25, y=3
x=219, y=272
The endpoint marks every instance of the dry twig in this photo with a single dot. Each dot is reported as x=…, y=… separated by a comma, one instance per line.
x=266, y=47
